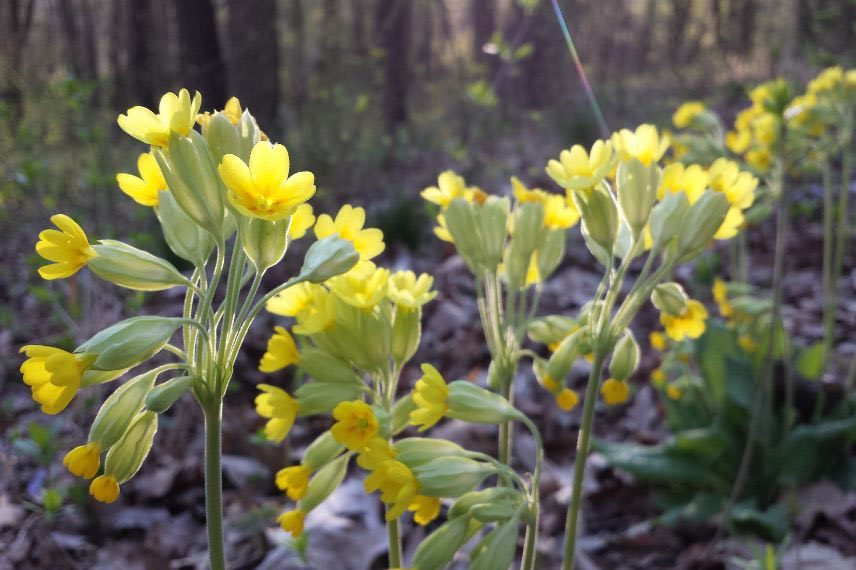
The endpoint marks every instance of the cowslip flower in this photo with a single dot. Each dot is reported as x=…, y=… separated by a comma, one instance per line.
x=293, y=481
x=397, y=485
x=644, y=144
x=176, y=113
x=280, y=409
x=355, y=424
x=691, y=180
x=375, y=452
x=689, y=324
x=68, y=248
x=143, y=189
x=738, y=186
x=292, y=522
x=577, y=169
x=614, y=391
x=685, y=114
x=310, y=304
x=560, y=213
x=83, y=460
x=348, y=225
x=408, y=291
x=441, y=230
x=449, y=186
x=263, y=188
x=567, y=399
x=281, y=352
x=53, y=375
x=301, y=220
x=429, y=395
x=424, y=509
x=104, y=488
x=364, y=286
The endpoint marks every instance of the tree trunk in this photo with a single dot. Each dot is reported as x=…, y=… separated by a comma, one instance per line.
x=393, y=31
x=201, y=62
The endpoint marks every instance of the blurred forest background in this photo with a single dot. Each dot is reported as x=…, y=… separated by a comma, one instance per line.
x=376, y=97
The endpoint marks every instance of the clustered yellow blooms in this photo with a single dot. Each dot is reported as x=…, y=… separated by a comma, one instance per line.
x=830, y=88
x=755, y=130
x=449, y=187
x=559, y=211
x=176, y=114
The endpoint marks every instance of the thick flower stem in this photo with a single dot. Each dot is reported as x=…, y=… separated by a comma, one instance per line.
x=394, y=543
x=214, y=485
x=580, y=462
x=828, y=248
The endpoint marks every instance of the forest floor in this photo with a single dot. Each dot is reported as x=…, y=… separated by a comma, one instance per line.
x=158, y=522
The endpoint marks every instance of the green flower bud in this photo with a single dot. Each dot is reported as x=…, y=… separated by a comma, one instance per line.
x=401, y=414
x=666, y=219
x=493, y=495
x=164, y=396
x=327, y=258
x=222, y=137
x=129, y=342
x=324, y=482
x=472, y=403
x=625, y=357
x=528, y=222
x=451, y=476
x=495, y=512
x=134, y=268
x=120, y=408
x=637, y=192
x=182, y=235
x=550, y=252
x=569, y=349
x=550, y=329
x=406, y=334
x=701, y=223
x=479, y=232
x=322, y=397
x=670, y=298
x=600, y=221
x=439, y=547
x=264, y=242
x=321, y=451
x=126, y=457
x=416, y=451
x=497, y=548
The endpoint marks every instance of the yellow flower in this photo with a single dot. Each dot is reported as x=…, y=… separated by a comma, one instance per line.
x=644, y=144
x=747, y=343
x=614, y=391
x=348, y=225
x=53, y=375
x=364, y=286
x=408, y=291
x=673, y=392
x=397, y=484
x=301, y=220
x=429, y=395
x=441, y=230
x=827, y=80
x=560, y=213
x=143, y=189
x=691, y=180
x=104, y=488
x=294, y=481
x=69, y=248
x=449, y=186
x=281, y=352
x=263, y=189
x=738, y=186
x=425, y=509
x=83, y=460
x=355, y=424
x=533, y=276
x=280, y=409
x=292, y=522
x=176, y=113
x=738, y=141
x=657, y=341
x=550, y=384
x=567, y=399
x=231, y=111
x=310, y=304
x=689, y=324
x=376, y=451
x=731, y=225
x=578, y=170
x=658, y=377
x=720, y=295
x=685, y=114
x=524, y=195
x=760, y=158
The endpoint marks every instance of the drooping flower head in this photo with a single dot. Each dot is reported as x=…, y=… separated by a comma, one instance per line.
x=54, y=375
x=429, y=395
x=310, y=304
x=145, y=188
x=644, y=144
x=375, y=452
x=348, y=225
x=68, y=248
x=567, y=399
x=364, y=286
x=355, y=424
x=176, y=113
x=104, y=488
x=614, y=391
x=292, y=522
x=263, y=188
x=281, y=352
x=294, y=481
x=689, y=324
x=280, y=409
x=83, y=460
x=577, y=169
x=425, y=509
x=397, y=485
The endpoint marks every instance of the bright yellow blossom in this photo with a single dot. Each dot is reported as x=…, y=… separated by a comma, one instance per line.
x=397, y=485
x=685, y=114
x=429, y=395
x=232, y=111
x=310, y=304
x=567, y=399
x=176, y=113
x=280, y=409
x=104, y=488
x=348, y=225
x=449, y=186
x=376, y=451
x=292, y=522
x=53, y=375
x=441, y=230
x=364, y=286
x=691, y=180
x=143, y=189
x=577, y=169
x=425, y=509
x=689, y=324
x=643, y=144
x=263, y=189
x=83, y=460
x=355, y=424
x=301, y=220
x=614, y=391
x=293, y=481
x=657, y=341
x=408, y=291
x=281, y=352
x=68, y=248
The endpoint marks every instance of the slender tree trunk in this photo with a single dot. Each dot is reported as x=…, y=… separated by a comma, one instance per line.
x=298, y=76
x=201, y=62
x=393, y=23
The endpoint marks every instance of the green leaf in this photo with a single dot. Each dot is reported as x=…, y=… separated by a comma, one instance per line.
x=811, y=361
x=654, y=463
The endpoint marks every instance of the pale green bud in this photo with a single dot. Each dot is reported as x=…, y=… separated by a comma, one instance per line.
x=472, y=403
x=495, y=512
x=497, y=548
x=493, y=495
x=264, y=242
x=550, y=252
x=625, y=357
x=120, y=408
x=129, y=342
x=667, y=218
x=248, y=135
x=324, y=482
x=415, y=451
x=637, y=192
x=126, y=457
x=322, y=397
x=599, y=221
x=401, y=414
x=439, y=547
x=165, y=395
x=325, y=367
x=670, y=298
x=569, y=349
x=550, y=329
x=479, y=232
x=327, y=258
x=127, y=266
x=701, y=223
x=406, y=334
x=182, y=235
x=321, y=451
x=222, y=137
x=528, y=222
x=451, y=476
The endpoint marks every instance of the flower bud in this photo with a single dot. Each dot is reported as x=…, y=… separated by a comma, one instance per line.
x=566, y=353
x=551, y=329
x=625, y=357
x=322, y=397
x=637, y=192
x=129, y=342
x=439, y=547
x=416, y=451
x=465, y=502
x=479, y=232
x=164, y=396
x=670, y=298
x=362, y=338
x=327, y=258
x=701, y=223
x=321, y=451
x=324, y=482
x=120, y=408
x=325, y=367
x=497, y=548
x=406, y=334
x=451, y=476
x=528, y=222
x=264, y=241
x=600, y=221
x=472, y=403
x=666, y=219
x=126, y=457
x=134, y=268
x=182, y=235
x=550, y=252
x=222, y=137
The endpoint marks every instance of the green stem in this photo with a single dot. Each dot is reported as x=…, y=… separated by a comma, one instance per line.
x=841, y=237
x=214, y=484
x=580, y=462
x=531, y=541
x=394, y=543
x=828, y=248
